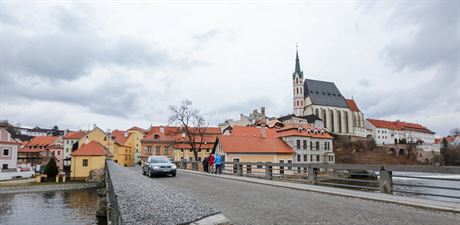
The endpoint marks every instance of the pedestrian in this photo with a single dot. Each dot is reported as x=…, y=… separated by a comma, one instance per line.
x=205, y=164
x=218, y=162
x=211, y=163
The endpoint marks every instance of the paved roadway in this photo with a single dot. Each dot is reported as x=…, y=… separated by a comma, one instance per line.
x=248, y=203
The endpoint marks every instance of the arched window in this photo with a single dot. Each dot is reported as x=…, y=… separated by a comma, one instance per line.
x=296, y=80
x=339, y=120
x=346, y=122
x=323, y=112
x=332, y=120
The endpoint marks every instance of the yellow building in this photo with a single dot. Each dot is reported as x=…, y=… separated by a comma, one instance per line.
x=88, y=157
x=134, y=140
x=120, y=153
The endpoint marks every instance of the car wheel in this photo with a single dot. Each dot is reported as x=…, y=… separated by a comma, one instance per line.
x=150, y=173
x=173, y=174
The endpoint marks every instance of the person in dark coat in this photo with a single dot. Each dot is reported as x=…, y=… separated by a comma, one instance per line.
x=205, y=164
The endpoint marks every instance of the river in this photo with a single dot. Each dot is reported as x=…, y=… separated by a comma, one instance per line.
x=76, y=207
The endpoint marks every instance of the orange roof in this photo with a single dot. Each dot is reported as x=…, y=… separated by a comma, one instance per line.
x=74, y=135
x=187, y=146
x=93, y=148
x=352, y=105
x=138, y=128
x=43, y=141
x=119, y=136
x=252, y=144
x=304, y=133
x=171, y=133
x=399, y=125
x=252, y=131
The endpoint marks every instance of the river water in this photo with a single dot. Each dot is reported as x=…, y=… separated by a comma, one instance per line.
x=423, y=192
x=76, y=207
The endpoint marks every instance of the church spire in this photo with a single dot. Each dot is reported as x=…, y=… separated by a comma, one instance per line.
x=297, y=62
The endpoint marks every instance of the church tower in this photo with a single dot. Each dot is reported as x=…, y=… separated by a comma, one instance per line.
x=297, y=83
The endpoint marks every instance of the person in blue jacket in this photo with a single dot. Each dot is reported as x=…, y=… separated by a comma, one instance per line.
x=218, y=163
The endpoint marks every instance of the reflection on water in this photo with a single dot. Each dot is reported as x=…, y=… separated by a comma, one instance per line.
x=426, y=182
x=62, y=207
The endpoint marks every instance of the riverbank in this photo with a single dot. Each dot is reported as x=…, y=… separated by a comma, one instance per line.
x=45, y=187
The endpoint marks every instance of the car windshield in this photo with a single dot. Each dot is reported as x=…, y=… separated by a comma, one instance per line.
x=159, y=160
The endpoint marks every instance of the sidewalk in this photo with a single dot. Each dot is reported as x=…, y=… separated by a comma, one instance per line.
x=402, y=200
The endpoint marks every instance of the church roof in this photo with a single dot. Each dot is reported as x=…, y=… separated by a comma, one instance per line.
x=324, y=93
x=310, y=118
x=352, y=105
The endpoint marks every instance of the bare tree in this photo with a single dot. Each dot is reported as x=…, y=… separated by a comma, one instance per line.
x=193, y=125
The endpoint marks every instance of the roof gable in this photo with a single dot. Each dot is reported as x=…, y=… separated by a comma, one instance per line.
x=352, y=105
x=93, y=148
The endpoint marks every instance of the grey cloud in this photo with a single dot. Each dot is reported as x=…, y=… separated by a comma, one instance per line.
x=436, y=39
x=75, y=48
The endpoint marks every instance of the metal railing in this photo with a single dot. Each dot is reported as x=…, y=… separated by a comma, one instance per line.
x=440, y=182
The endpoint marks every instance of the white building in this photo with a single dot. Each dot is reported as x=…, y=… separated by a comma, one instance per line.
x=8, y=151
x=323, y=99
x=311, y=145
x=70, y=144
x=396, y=132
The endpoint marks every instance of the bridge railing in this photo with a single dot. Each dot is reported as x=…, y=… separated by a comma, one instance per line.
x=436, y=181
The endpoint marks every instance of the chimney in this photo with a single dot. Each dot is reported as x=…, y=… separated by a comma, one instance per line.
x=126, y=134
x=162, y=129
x=263, y=131
x=86, y=140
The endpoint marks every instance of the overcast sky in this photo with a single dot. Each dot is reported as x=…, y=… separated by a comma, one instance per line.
x=120, y=64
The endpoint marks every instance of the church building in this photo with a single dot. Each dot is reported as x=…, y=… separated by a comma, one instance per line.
x=323, y=99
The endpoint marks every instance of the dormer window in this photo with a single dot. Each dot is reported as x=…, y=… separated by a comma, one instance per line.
x=316, y=132
x=156, y=136
x=322, y=132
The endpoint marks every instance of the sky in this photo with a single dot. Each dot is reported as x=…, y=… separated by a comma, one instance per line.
x=120, y=64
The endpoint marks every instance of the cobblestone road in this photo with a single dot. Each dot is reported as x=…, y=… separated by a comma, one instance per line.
x=248, y=203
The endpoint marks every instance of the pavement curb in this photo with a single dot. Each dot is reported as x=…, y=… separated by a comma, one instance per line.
x=218, y=219
x=380, y=197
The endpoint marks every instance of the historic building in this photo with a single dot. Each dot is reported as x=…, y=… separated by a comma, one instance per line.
x=399, y=132
x=323, y=99
x=8, y=151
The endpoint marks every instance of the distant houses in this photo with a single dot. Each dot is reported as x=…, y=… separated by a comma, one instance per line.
x=8, y=151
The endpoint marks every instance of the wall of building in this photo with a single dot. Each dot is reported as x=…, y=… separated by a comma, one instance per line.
x=309, y=153
x=80, y=171
x=10, y=159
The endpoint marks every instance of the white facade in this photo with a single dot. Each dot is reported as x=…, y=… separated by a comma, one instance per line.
x=8, y=151
x=311, y=150
x=68, y=143
x=384, y=136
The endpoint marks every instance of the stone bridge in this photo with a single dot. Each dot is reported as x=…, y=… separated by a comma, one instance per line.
x=197, y=198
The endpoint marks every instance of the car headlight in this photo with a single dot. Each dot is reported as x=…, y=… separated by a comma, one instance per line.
x=156, y=167
x=173, y=167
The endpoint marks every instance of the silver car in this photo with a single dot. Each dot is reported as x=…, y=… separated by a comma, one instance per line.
x=158, y=165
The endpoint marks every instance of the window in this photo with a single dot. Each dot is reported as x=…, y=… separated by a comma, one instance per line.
x=6, y=152
x=325, y=145
x=305, y=158
x=59, y=152
x=298, y=144
x=166, y=150
x=289, y=167
x=311, y=145
x=85, y=162
x=304, y=144
x=181, y=150
x=157, y=150
x=259, y=165
x=311, y=158
x=317, y=158
x=317, y=146
x=298, y=158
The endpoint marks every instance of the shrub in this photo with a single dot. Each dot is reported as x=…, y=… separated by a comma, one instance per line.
x=51, y=169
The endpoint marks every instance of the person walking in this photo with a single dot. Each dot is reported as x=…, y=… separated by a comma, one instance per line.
x=205, y=164
x=211, y=163
x=218, y=162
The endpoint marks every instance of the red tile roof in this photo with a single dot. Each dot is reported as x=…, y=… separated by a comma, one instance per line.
x=93, y=148
x=305, y=131
x=253, y=144
x=187, y=146
x=399, y=125
x=252, y=131
x=139, y=129
x=119, y=136
x=352, y=105
x=74, y=135
x=43, y=141
x=172, y=134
